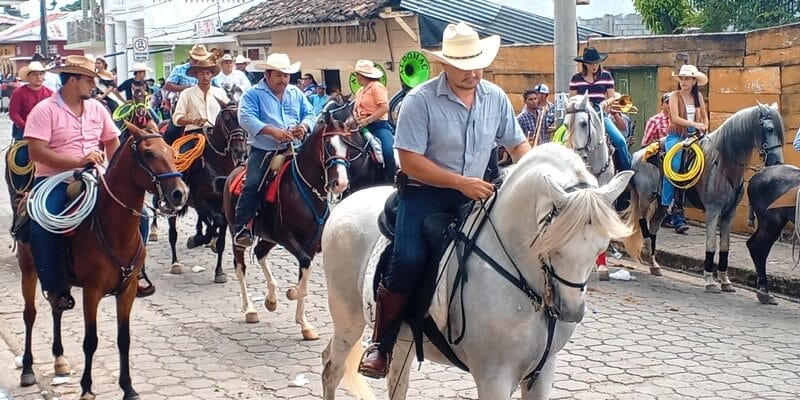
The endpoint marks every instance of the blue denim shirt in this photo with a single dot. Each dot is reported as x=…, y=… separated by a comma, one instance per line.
x=259, y=107
x=435, y=123
x=178, y=76
x=797, y=140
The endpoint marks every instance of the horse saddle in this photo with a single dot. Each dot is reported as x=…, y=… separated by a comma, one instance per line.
x=278, y=168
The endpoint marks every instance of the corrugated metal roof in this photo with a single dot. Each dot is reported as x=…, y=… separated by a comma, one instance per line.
x=490, y=18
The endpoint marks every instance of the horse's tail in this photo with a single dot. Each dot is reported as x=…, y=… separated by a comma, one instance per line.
x=633, y=243
x=352, y=381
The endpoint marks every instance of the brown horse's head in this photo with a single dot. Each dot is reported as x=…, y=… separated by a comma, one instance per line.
x=332, y=153
x=157, y=173
x=227, y=131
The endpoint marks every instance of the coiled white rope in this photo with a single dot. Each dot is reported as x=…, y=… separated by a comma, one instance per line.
x=73, y=214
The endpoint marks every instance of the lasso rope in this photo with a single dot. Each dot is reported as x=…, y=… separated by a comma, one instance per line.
x=692, y=176
x=73, y=214
x=184, y=160
x=19, y=170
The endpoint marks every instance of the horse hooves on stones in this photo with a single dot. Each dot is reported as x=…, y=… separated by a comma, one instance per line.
x=251, y=317
x=134, y=396
x=713, y=289
x=192, y=242
x=26, y=380
x=61, y=366
x=176, y=269
x=220, y=278
x=765, y=298
x=270, y=305
x=310, y=334
x=656, y=271
x=602, y=273
x=87, y=396
x=292, y=294
x=727, y=287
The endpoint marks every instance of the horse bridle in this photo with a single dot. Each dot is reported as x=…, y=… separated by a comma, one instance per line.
x=767, y=129
x=231, y=135
x=327, y=161
x=589, y=148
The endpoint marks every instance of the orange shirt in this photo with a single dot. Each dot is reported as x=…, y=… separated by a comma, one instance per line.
x=371, y=97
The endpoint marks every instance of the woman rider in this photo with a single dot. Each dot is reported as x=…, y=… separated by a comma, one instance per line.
x=372, y=112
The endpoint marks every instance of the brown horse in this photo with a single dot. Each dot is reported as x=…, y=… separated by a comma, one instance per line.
x=226, y=148
x=296, y=219
x=111, y=251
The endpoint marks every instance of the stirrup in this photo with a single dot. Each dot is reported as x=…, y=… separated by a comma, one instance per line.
x=369, y=372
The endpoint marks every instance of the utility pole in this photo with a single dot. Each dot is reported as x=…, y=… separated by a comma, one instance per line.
x=565, y=47
x=43, y=28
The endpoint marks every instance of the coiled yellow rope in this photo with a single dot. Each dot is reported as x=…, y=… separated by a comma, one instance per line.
x=692, y=176
x=184, y=160
x=19, y=170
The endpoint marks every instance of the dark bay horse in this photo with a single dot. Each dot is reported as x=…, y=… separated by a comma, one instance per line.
x=720, y=188
x=108, y=252
x=296, y=218
x=225, y=148
x=772, y=193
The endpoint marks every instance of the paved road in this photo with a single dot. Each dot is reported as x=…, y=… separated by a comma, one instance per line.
x=654, y=338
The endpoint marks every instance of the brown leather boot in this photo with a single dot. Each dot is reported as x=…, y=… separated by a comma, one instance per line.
x=390, y=309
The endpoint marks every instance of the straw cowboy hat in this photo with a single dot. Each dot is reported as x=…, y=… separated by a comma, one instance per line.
x=226, y=57
x=206, y=64
x=692, y=72
x=462, y=48
x=591, y=56
x=139, y=67
x=33, y=66
x=367, y=68
x=277, y=62
x=82, y=65
x=240, y=59
x=199, y=53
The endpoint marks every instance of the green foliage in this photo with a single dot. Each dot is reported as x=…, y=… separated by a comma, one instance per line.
x=743, y=15
x=664, y=16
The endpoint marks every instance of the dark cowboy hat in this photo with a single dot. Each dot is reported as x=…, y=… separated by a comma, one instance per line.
x=591, y=56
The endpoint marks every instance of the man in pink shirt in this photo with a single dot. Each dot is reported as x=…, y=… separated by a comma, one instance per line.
x=65, y=132
x=25, y=97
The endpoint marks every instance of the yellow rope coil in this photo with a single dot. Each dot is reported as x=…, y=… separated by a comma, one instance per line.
x=692, y=176
x=19, y=170
x=184, y=160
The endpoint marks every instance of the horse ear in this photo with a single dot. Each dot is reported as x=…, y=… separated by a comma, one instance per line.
x=222, y=103
x=613, y=189
x=585, y=102
x=774, y=106
x=554, y=191
x=133, y=129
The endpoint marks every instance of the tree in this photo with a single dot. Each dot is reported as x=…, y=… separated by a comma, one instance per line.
x=664, y=16
x=743, y=15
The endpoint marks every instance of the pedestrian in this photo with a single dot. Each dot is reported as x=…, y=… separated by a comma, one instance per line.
x=446, y=131
x=25, y=97
x=319, y=98
x=658, y=125
x=273, y=113
x=138, y=81
x=371, y=110
x=538, y=115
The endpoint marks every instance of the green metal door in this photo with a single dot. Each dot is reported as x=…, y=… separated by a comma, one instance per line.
x=641, y=84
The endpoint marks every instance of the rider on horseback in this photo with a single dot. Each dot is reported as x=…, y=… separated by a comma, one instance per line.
x=24, y=98
x=272, y=113
x=198, y=106
x=372, y=113
x=446, y=131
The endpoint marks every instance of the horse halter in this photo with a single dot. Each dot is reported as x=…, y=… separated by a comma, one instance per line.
x=767, y=125
x=231, y=135
x=589, y=148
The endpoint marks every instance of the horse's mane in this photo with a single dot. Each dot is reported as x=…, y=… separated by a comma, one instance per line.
x=585, y=208
x=740, y=134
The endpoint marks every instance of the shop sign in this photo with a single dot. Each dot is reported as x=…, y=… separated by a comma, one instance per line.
x=363, y=33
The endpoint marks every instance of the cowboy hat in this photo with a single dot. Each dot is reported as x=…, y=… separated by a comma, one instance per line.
x=240, y=59
x=203, y=64
x=82, y=65
x=139, y=67
x=33, y=66
x=199, y=53
x=277, y=62
x=462, y=48
x=226, y=57
x=591, y=56
x=692, y=72
x=367, y=68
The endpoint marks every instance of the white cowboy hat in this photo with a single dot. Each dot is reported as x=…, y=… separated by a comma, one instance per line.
x=240, y=59
x=82, y=65
x=33, y=66
x=692, y=72
x=462, y=48
x=367, y=68
x=277, y=62
x=139, y=67
x=226, y=57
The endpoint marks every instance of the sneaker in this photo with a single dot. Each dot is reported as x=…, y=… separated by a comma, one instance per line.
x=682, y=228
x=244, y=238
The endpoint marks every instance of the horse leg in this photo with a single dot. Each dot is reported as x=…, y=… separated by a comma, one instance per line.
x=60, y=364
x=250, y=313
x=308, y=330
x=759, y=246
x=153, y=237
x=29, y=283
x=540, y=390
x=655, y=224
x=177, y=267
x=397, y=377
x=91, y=299
x=494, y=384
x=724, y=249
x=712, y=220
x=124, y=305
x=221, y=227
x=262, y=250
x=342, y=355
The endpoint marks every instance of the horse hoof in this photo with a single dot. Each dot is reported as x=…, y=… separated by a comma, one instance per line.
x=132, y=397
x=220, y=278
x=727, y=287
x=713, y=289
x=61, y=366
x=602, y=273
x=310, y=334
x=765, y=298
x=292, y=294
x=271, y=305
x=153, y=237
x=176, y=269
x=213, y=245
x=251, y=317
x=27, y=380
x=191, y=242
x=87, y=396
x=656, y=271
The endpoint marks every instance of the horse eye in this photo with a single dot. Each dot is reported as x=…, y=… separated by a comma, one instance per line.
x=149, y=155
x=584, y=124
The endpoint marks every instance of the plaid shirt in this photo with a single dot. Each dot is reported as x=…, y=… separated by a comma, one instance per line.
x=657, y=127
x=527, y=120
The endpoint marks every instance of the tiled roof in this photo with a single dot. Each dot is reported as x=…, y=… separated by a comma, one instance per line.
x=274, y=13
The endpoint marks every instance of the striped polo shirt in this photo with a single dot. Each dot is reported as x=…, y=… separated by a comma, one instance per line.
x=597, y=89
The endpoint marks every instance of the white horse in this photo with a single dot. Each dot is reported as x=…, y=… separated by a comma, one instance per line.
x=548, y=222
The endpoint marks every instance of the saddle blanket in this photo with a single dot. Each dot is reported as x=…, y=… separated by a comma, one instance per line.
x=271, y=194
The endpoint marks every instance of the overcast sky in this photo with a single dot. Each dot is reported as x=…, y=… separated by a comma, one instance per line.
x=596, y=8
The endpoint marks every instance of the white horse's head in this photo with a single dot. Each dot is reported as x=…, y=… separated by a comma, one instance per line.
x=586, y=133
x=556, y=221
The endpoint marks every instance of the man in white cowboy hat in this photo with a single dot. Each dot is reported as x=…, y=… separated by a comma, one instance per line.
x=138, y=81
x=241, y=62
x=199, y=105
x=25, y=97
x=51, y=80
x=273, y=113
x=178, y=79
x=446, y=132
x=229, y=76
x=66, y=132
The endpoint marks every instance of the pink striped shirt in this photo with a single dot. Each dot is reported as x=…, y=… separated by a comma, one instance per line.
x=66, y=133
x=597, y=89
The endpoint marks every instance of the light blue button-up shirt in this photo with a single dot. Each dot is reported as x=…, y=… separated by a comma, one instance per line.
x=435, y=123
x=259, y=107
x=178, y=76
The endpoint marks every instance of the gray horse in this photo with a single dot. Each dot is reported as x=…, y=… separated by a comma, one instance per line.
x=720, y=188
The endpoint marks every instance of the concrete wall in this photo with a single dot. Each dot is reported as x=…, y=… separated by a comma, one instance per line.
x=617, y=25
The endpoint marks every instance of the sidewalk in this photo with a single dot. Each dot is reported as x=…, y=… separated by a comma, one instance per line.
x=687, y=252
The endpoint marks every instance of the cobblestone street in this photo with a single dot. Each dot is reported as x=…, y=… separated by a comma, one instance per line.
x=653, y=338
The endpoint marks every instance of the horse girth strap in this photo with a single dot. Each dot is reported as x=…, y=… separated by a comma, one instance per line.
x=126, y=269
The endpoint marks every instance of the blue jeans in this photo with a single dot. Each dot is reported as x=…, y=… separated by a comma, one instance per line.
x=667, y=189
x=45, y=244
x=622, y=156
x=16, y=132
x=411, y=252
x=383, y=131
x=248, y=200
